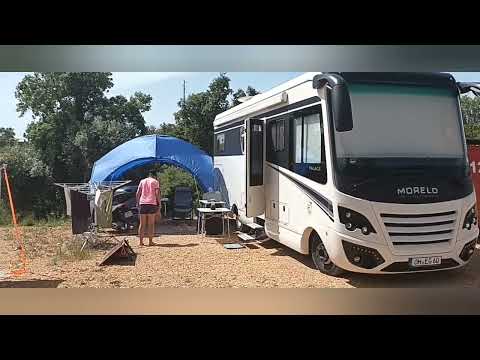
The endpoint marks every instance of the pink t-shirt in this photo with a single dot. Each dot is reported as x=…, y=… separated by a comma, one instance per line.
x=148, y=187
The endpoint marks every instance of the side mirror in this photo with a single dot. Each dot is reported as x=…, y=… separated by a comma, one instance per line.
x=465, y=87
x=339, y=100
x=341, y=108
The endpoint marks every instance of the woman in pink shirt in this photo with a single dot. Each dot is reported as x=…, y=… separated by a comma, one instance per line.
x=148, y=202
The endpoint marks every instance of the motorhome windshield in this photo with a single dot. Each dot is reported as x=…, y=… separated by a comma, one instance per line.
x=397, y=127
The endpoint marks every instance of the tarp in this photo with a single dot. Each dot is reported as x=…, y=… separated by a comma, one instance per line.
x=149, y=149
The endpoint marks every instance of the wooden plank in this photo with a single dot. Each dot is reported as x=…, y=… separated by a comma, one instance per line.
x=122, y=250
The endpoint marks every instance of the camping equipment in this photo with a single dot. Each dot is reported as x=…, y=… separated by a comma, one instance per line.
x=183, y=203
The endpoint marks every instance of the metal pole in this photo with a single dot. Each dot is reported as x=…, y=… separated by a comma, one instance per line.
x=184, y=91
x=23, y=257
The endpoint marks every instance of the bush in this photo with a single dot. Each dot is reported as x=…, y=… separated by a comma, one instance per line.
x=71, y=250
x=171, y=176
x=5, y=215
x=472, y=131
x=32, y=188
x=27, y=220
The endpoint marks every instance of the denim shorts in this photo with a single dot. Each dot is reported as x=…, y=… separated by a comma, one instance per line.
x=148, y=209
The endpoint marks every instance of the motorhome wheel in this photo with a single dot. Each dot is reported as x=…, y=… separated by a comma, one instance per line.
x=321, y=259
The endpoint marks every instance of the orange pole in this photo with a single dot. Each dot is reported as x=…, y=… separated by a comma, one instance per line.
x=23, y=257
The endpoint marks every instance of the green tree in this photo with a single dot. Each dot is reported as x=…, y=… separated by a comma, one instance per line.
x=170, y=177
x=163, y=129
x=194, y=119
x=7, y=136
x=251, y=91
x=241, y=93
x=236, y=96
x=471, y=116
x=30, y=181
x=75, y=122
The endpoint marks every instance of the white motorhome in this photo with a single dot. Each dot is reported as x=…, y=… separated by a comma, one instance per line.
x=366, y=172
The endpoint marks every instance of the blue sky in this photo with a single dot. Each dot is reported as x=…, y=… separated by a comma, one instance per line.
x=165, y=88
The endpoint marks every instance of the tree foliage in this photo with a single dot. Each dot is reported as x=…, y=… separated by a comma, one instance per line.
x=164, y=129
x=241, y=93
x=471, y=116
x=194, y=119
x=30, y=181
x=470, y=109
x=170, y=177
x=75, y=122
x=7, y=136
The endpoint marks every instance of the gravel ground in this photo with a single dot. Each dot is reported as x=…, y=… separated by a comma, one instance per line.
x=181, y=258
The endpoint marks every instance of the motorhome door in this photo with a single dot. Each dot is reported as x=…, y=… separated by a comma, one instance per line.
x=255, y=194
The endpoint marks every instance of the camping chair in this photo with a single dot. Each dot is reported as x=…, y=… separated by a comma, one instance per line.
x=183, y=203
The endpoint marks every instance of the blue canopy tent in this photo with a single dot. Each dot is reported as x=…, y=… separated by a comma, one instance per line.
x=150, y=149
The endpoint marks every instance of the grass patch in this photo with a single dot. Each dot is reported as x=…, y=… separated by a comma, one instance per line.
x=71, y=251
x=51, y=221
x=28, y=220
x=5, y=216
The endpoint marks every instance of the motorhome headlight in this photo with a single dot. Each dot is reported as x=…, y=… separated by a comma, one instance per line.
x=354, y=220
x=470, y=218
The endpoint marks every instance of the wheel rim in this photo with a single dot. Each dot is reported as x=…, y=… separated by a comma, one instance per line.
x=321, y=258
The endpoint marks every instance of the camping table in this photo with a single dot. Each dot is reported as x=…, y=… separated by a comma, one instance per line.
x=218, y=212
x=164, y=201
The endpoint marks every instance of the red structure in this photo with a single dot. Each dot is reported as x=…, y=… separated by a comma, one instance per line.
x=474, y=160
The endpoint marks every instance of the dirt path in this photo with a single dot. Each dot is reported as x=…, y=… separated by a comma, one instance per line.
x=181, y=258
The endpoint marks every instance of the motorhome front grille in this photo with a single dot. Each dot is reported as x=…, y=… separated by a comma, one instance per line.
x=420, y=229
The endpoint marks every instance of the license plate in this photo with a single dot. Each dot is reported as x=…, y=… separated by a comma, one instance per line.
x=128, y=214
x=426, y=261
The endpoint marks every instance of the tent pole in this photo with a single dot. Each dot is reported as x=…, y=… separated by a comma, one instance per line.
x=196, y=187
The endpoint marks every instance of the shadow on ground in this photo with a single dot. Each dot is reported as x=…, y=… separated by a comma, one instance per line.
x=166, y=227
x=174, y=245
x=468, y=276
x=222, y=240
x=282, y=250
x=30, y=283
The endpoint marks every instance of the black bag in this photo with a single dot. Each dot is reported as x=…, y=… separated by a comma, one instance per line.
x=213, y=226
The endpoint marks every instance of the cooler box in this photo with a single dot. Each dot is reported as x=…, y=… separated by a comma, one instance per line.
x=213, y=226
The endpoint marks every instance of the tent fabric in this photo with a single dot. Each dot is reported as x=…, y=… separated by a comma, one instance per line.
x=149, y=149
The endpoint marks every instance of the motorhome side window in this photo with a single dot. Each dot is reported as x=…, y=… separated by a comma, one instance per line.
x=220, y=143
x=298, y=129
x=277, y=141
x=277, y=135
x=280, y=135
x=312, y=139
x=309, y=147
x=273, y=136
